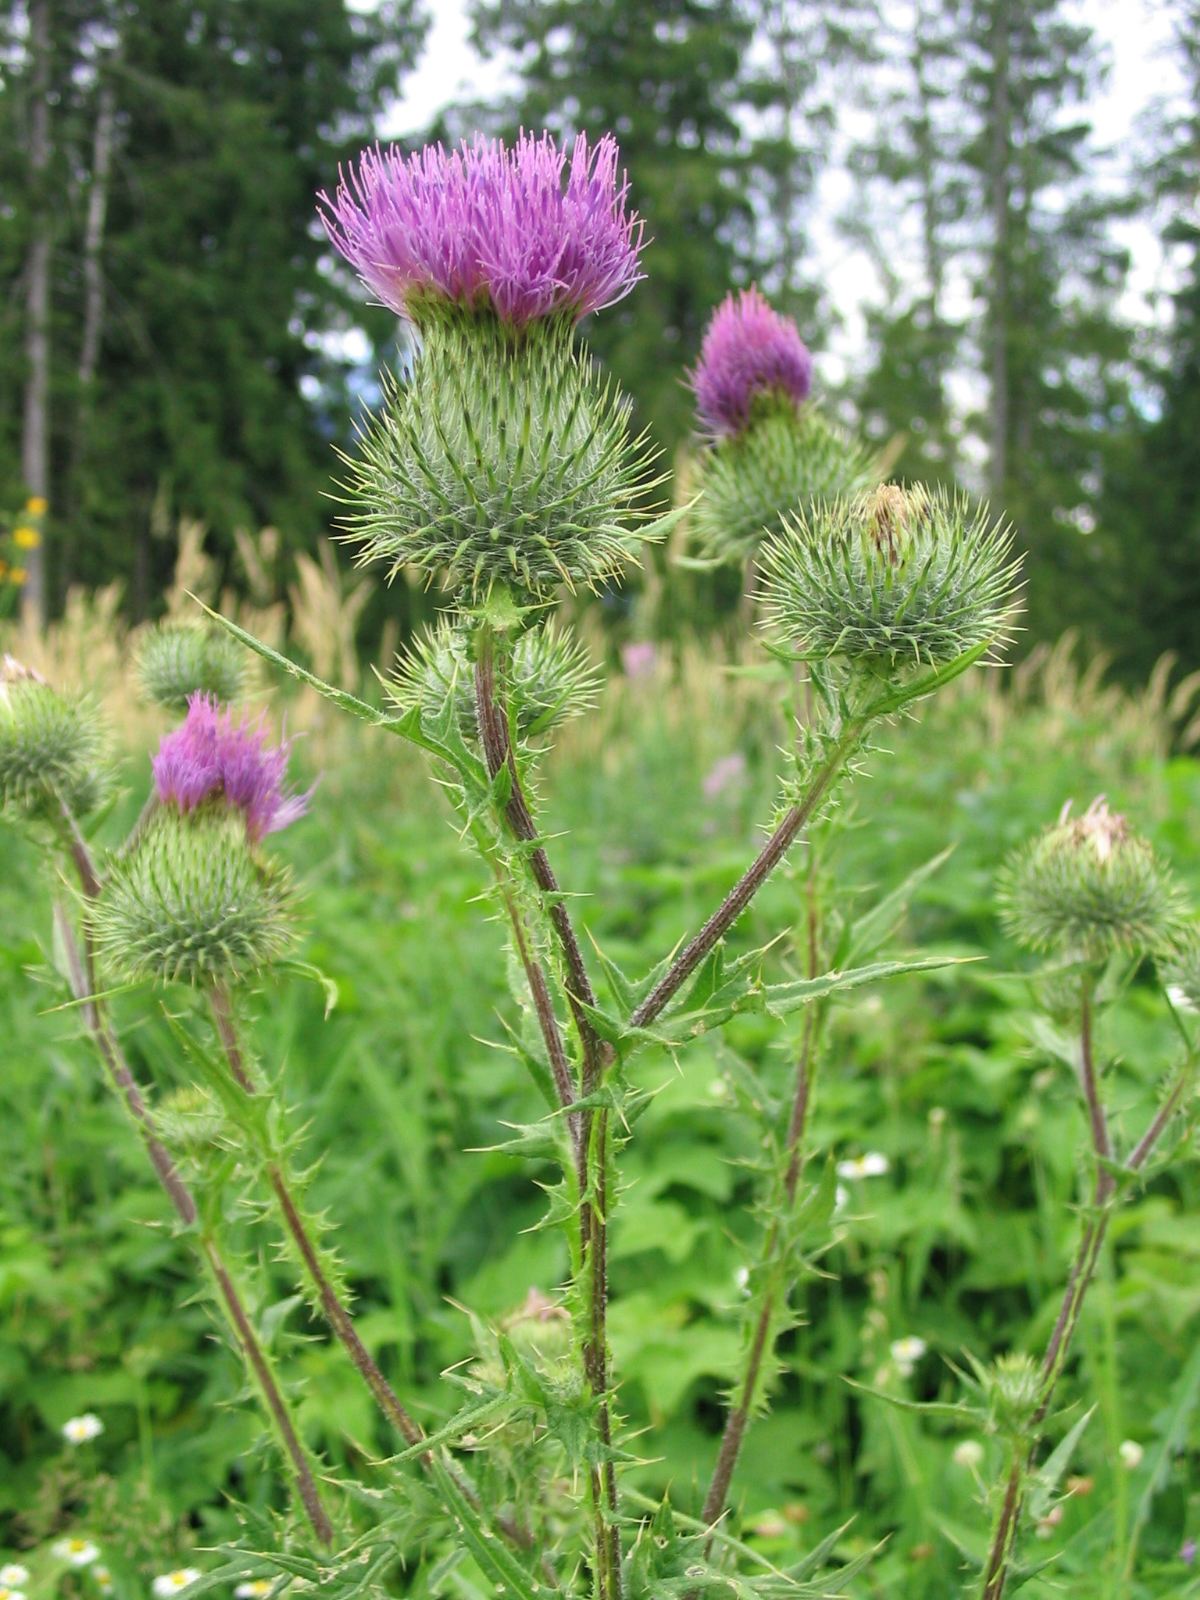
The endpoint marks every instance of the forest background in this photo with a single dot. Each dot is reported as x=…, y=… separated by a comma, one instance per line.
x=176, y=339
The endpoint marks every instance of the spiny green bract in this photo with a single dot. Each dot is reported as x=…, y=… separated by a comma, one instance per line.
x=193, y=901
x=506, y=459
x=1014, y=1388
x=1086, y=887
x=51, y=749
x=779, y=465
x=190, y=1118
x=549, y=678
x=893, y=578
x=179, y=659
x=1179, y=965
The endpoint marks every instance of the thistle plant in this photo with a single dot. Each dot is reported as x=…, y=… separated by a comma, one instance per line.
x=766, y=453
x=503, y=471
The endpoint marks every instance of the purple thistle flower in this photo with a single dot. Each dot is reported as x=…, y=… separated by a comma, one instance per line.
x=488, y=226
x=208, y=755
x=748, y=350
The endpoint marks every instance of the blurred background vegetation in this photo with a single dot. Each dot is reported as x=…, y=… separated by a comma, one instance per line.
x=177, y=340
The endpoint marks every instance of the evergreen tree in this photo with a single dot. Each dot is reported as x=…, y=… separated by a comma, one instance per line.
x=187, y=308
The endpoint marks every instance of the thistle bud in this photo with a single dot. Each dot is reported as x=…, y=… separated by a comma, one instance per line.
x=190, y=1118
x=51, y=746
x=891, y=579
x=194, y=901
x=1087, y=887
x=179, y=659
x=1179, y=966
x=506, y=459
x=1014, y=1388
x=549, y=679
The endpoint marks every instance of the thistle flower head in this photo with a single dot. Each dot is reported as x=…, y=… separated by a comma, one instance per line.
x=51, y=746
x=488, y=227
x=893, y=578
x=1014, y=1386
x=176, y=660
x=193, y=901
x=209, y=755
x=549, y=679
x=1088, y=886
x=748, y=352
x=505, y=460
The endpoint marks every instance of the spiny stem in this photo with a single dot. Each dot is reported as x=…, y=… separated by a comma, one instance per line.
x=1103, y=1202
x=82, y=985
x=740, y=896
x=739, y=1416
x=336, y=1315
x=593, y=1131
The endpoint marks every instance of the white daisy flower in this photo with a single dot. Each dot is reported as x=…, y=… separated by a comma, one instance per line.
x=169, y=1583
x=76, y=1552
x=103, y=1577
x=254, y=1590
x=14, y=1575
x=78, y=1430
x=1131, y=1453
x=906, y=1353
x=873, y=1165
x=11, y=1594
x=968, y=1454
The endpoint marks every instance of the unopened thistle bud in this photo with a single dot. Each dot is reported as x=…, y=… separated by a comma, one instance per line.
x=194, y=901
x=176, y=660
x=891, y=579
x=190, y=1118
x=51, y=746
x=506, y=459
x=1014, y=1388
x=1087, y=887
x=549, y=679
x=1179, y=966
x=767, y=454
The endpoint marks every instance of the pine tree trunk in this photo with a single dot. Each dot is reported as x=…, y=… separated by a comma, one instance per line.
x=35, y=441
x=1000, y=146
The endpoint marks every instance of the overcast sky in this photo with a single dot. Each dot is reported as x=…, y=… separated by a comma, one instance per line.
x=1134, y=32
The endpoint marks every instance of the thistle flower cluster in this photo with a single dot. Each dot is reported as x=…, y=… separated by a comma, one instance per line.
x=893, y=578
x=208, y=755
x=767, y=454
x=1088, y=886
x=178, y=659
x=506, y=458
x=51, y=746
x=549, y=678
x=485, y=227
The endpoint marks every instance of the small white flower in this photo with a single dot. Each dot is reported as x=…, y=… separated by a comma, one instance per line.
x=873, y=1165
x=169, y=1583
x=78, y=1430
x=968, y=1454
x=254, y=1590
x=76, y=1552
x=14, y=1575
x=906, y=1353
x=103, y=1577
x=1178, y=998
x=11, y=1594
x=1131, y=1453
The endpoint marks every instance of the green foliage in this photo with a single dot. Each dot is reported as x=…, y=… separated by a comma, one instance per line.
x=964, y=1241
x=179, y=659
x=192, y=901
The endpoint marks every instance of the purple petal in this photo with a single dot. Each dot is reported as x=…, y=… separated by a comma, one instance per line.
x=748, y=350
x=485, y=225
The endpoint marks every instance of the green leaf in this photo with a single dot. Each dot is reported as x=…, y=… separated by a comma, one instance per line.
x=783, y=998
x=928, y=683
x=1048, y=1476
x=484, y=1543
x=947, y=1411
x=305, y=969
x=662, y=526
x=873, y=929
